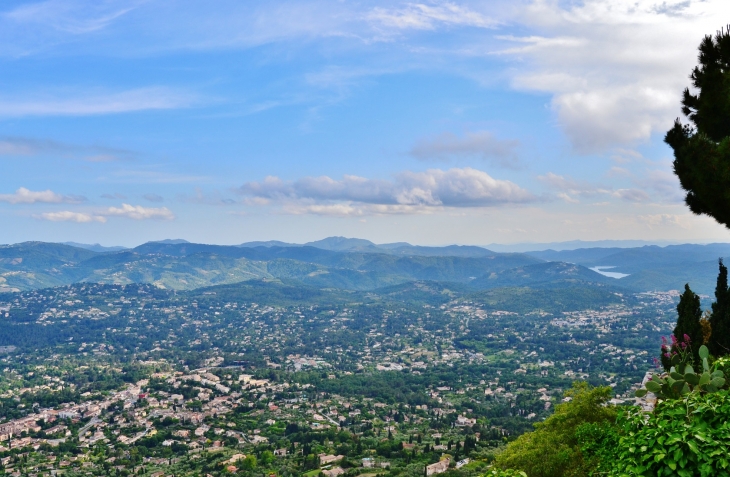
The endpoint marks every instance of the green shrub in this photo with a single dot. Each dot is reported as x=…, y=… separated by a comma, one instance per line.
x=684, y=437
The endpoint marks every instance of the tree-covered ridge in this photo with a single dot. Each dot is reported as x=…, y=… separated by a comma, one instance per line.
x=186, y=266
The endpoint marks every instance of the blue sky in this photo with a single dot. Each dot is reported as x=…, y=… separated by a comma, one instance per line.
x=430, y=122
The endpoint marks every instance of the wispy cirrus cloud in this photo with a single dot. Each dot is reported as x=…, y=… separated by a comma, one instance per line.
x=93, y=103
x=407, y=192
x=26, y=196
x=24, y=146
x=428, y=16
x=480, y=144
x=70, y=16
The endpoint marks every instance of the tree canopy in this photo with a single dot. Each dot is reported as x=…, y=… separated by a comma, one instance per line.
x=702, y=148
x=553, y=449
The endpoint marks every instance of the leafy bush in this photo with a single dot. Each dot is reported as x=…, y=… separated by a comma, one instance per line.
x=687, y=437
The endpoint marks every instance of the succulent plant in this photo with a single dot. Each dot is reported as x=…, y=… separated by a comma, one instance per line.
x=682, y=379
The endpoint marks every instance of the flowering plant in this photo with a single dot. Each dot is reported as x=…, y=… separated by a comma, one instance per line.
x=682, y=349
x=681, y=378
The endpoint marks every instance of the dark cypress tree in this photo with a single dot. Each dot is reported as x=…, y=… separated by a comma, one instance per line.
x=719, y=321
x=688, y=320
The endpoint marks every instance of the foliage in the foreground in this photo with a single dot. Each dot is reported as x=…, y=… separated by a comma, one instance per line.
x=553, y=449
x=688, y=437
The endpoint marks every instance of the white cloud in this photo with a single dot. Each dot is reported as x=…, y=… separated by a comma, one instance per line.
x=350, y=209
x=91, y=103
x=420, y=16
x=126, y=210
x=25, y=196
x=615, y=68
x=664, y=183
x=137, y=212
x=481, y=144
x=570, y=188
x=407, y=192
x=70, y=16
x=25, y=146
x=662, y=220
x=68, y=216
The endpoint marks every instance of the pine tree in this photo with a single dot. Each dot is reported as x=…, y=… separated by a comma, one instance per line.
x=702, y=159
x=720, y=321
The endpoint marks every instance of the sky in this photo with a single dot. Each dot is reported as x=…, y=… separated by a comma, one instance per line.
x=431, y=122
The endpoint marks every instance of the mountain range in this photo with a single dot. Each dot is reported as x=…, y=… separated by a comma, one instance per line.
x=357, y=264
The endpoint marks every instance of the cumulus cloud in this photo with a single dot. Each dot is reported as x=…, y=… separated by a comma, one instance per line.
x=480, y=144
x=25, y=196
x=68, y=216
x=405, y=193
x=126, y=210
x=137, y=212
x=570, y=189
x=615, y=68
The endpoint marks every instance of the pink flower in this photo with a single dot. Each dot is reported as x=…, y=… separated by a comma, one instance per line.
x=664, y=339
x=674, y=339
x=686, y=338
x=667, y=355
x=684, y=345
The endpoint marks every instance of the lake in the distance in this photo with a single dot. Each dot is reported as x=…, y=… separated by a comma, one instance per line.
x=609, y=274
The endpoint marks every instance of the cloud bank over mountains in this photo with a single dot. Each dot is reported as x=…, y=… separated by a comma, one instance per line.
x=407, y=192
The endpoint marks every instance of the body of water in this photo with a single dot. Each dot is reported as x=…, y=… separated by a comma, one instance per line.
x=609, y=274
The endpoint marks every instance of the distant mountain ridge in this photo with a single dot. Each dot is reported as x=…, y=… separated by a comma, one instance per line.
x=344, y=244
x=356, y=264
x=95, y=247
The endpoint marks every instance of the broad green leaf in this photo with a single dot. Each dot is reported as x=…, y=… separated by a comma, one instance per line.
x=693, y=447
x=692, y=379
